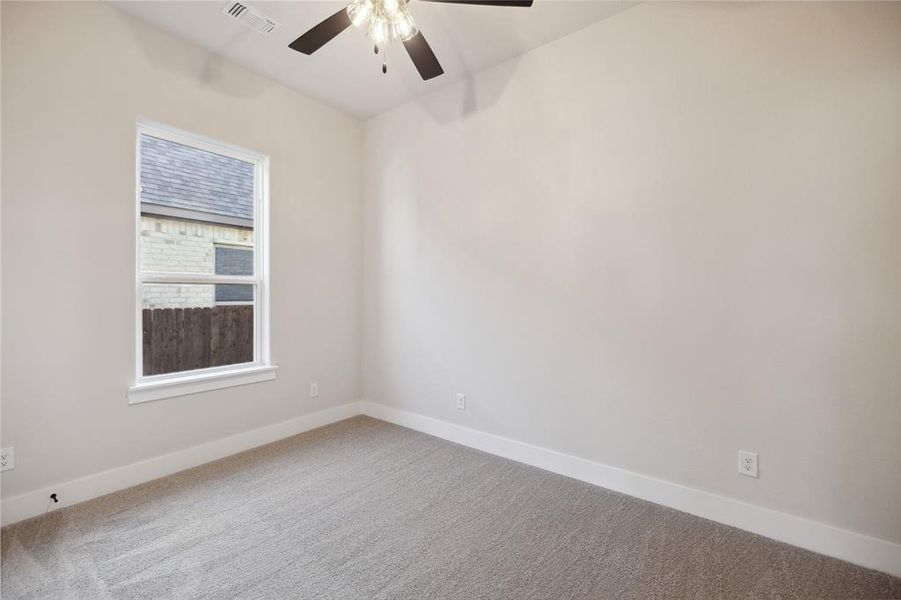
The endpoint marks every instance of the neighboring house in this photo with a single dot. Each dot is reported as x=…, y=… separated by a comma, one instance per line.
x=196, y=217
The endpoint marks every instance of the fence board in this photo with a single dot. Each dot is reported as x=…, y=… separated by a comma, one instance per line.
x=248, y=343
x=156, y=341
x=231, y=346
x=245, y=334
x=183, y=339
x=216, y=352
x=183, y=353
x=197, y=338
x=147, y=340
x=165, y=348
x=206, y=335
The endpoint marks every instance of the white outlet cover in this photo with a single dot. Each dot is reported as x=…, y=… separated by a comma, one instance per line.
x=8, y=459
x=314, y=389
x=461, y=401
x=747, y=463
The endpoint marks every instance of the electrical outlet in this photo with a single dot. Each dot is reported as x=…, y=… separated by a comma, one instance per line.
x=8, y=459
x=461, y=401
x=747, y=463
x=314, y=389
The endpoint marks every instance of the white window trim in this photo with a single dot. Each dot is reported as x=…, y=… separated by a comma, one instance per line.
x=155, y=387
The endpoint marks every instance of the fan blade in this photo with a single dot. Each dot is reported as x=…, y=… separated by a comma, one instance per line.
x=422, y=56
x=520, y=3
x=321, y=34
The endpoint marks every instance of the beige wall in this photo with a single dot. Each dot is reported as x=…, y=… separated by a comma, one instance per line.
x=76, y=78
x=667, y=237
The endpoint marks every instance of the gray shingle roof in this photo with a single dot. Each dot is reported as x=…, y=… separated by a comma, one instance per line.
x=186, y=178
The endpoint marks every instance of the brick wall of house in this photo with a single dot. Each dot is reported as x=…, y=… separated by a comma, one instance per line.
x=175, y=245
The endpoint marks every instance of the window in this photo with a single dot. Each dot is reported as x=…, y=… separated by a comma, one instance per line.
x=233, y=261
x=202, y=276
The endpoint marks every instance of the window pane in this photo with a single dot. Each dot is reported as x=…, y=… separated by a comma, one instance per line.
x=234, y=261
x=183, y=329
x=234, y=292
x=191, y=202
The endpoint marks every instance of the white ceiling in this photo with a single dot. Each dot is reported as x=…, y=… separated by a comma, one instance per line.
x=345, y=73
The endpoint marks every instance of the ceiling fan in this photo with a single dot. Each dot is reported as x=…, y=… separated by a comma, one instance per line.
x=386, y=21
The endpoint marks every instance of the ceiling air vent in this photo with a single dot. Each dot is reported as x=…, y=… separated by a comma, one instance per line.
x=250, y=17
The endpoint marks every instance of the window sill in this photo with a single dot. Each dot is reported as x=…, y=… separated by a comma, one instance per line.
x=201, y=382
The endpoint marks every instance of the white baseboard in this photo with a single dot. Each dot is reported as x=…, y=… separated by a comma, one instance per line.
x=825, y=539
x=34, y=503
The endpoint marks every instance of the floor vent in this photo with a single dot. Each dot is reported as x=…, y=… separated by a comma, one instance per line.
x=250, y=17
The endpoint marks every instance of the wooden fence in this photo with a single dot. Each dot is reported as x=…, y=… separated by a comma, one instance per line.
x=181, y=339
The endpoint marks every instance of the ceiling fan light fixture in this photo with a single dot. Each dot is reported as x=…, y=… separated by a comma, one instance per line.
x=404, y=27
x=391, y=7
x=359, y=12
x=385, y=21
x=379, y=31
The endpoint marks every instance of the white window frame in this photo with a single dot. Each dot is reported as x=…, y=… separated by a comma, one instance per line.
x=154, y=387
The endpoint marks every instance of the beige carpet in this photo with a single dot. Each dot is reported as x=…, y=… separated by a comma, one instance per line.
x=364, y=509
